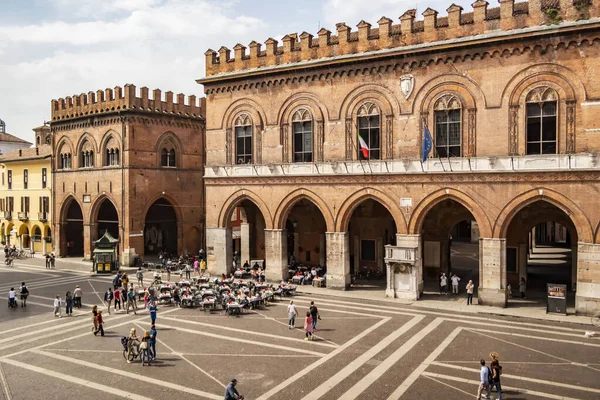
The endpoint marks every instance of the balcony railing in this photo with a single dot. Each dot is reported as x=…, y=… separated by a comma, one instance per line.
x=6, y=215
x=43, y=216
x=23, y=216
x=543, y=163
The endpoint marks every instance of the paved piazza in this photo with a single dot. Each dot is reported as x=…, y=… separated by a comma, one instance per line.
x=363, y=350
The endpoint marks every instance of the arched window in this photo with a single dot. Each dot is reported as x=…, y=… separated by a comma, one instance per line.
x=448, y=128
x=39, y=140
x=167, y=157
x=87, y=156
x=369, y=132
x=243, y=139
x=48, y=139
x=542, y=120
x=302, y=131
x=64, y=157
x=111, y=157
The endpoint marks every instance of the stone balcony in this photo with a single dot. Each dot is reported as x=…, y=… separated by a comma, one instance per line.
x=43, y=216
x=7, y=215
x=23, y=216
x=507, y=164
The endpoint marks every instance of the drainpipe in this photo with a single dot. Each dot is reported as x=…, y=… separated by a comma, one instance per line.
x=122, y=161
x=53, y=193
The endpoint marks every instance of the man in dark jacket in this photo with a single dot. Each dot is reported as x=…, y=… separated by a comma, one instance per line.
x=231, y=392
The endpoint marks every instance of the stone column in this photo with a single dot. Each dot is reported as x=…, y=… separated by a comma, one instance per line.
x=492, y=272
x=276, y=254
x=523, y=256
x=245, y=243
x=218, y=251
x=574, y=268
x=356, y=253
x=587, y=298
x=338, y=260
x=87, y=242
x=445, y=257
x=43, y=244
x=322, y=251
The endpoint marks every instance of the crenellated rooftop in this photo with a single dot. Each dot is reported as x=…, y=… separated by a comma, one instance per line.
x=387, y=35
x=126, y=98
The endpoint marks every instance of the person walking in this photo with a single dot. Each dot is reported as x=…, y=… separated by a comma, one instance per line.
x=188, y=272
x=145, y=348
x=117, y=295
x=99, y=324
x=522, y=287
x=77, y=293
x=168, y=269
x=455, y=279
x=484, y=385
x=47, y=261
x=197, y=267
x=131, y=302
x=108, y=298
x=140, y=277
x=231, y=392
x=57, y=305
x=24, y=292
x=470, y=288
x=202, y=267
x=444, y=284
x=308, y=327
x=314, y=313
x=69, y=304
x=95, y=319
x=152, y=342
x=52, y=261
x=496, y=369
x=117, y=281
x=292, y=312
x=12, y=298
x=152, y=308
x=124, y=280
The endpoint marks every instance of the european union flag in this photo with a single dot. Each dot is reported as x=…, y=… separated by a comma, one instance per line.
x=426, y=145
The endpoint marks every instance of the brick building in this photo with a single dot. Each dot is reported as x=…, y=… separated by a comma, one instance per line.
x=510, y=96
x=131, y=165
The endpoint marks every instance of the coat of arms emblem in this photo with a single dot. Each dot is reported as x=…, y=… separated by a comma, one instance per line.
x=407, y=84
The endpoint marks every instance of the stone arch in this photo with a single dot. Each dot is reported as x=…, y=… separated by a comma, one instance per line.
x=244, y=105
x=170, y=199
x=93, y=213
x=23, y=230
x=236, y=198
x=378, y=94
x=64, y=147
x=422, y=209
x=169, y=141
x=347, y=208
x=289, y=201
x=467, y=91
x=9, y=227
x=582, y=224
x=564, y=81
x=319, y=110
x=65, y=207
x=87, y=137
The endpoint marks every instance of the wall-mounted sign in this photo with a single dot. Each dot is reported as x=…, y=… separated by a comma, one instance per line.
x=406, y=202
x=87, y=198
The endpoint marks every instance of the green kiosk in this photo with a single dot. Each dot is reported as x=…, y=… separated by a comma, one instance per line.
x=106, y=259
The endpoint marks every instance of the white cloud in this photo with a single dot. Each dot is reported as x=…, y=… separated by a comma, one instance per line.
x=156, y=43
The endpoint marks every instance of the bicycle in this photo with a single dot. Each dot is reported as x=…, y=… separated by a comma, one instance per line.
x=596, y=319
x=135, y=350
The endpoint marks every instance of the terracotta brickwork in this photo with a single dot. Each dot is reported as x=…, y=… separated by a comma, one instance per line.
x=491, y=65
x=109, y=147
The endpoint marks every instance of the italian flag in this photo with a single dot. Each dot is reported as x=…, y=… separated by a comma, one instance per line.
x=363, y=146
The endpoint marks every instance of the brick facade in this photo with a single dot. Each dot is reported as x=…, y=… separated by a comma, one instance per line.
x=108, y=147
x=488, y=65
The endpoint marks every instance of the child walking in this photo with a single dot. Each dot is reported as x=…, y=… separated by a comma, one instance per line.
x=308, y=326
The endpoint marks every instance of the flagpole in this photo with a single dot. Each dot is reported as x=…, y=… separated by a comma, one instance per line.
x=356, y=148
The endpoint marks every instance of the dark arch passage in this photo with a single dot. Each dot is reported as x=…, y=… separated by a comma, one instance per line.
x=73, y=231
x=108, y=219
x=160, y=231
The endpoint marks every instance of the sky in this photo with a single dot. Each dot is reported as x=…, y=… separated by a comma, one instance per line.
x=57, y=48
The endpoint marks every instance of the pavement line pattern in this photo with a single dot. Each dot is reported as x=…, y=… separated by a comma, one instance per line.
x=72, y=379
x=450, y=386
x=248, y=332
x=534, y=337
x=5, y=387
x=335, y=345
x=421, y=368
x=329, y=384
x=521, y=378
x=43, y=283
x=131, y=375
x=382, y=368
x=30, y=326
x=504, y=387
x=96, y=292
x=247, y=341
x=321, y=361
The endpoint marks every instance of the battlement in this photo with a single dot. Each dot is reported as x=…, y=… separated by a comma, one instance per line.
x=126, y=98
x=305, y=47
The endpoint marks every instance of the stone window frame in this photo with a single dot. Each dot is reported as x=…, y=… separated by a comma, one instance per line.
x=368, y=109
x=111, y=153
x=447, y=102
x=243, y=121
x=64, y=157
x=302, y=115
x=540, y=95
x=168, y=151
